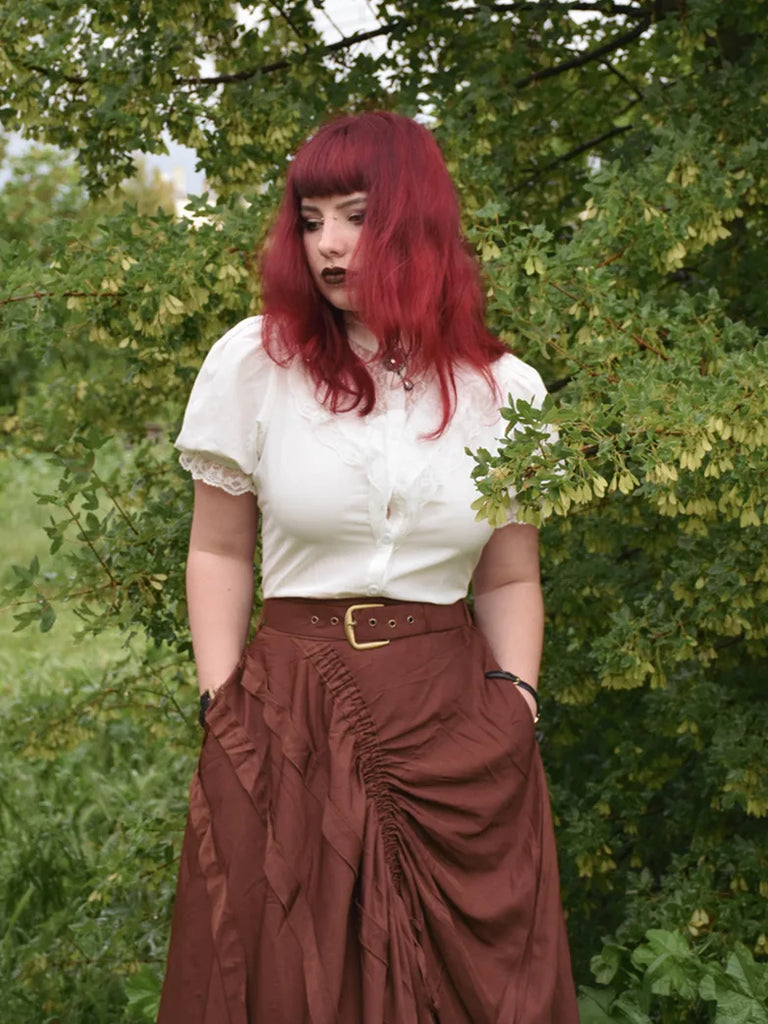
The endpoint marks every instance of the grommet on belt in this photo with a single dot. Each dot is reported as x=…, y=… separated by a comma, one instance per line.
x=314, y=620
x=335, y=620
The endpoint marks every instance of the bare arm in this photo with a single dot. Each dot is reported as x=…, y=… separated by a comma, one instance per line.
x=220, y=580
x=508, y=604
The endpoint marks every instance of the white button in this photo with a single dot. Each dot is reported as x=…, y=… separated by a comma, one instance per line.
x=388, y=537
x=373, y=590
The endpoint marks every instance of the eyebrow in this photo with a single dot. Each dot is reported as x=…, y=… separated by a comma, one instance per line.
x=353, y=201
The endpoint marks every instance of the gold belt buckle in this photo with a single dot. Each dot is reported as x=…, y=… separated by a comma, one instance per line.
x=349, y=628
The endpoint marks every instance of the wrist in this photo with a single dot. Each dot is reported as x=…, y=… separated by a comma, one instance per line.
x=529, y=692
x=532, y=704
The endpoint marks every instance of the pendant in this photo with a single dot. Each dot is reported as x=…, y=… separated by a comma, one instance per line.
x=395, y=363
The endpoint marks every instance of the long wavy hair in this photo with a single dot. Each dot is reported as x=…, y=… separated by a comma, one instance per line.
x=417, y=283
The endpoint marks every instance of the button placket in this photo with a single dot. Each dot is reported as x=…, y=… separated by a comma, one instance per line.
x=386, y=519
x=394, y=451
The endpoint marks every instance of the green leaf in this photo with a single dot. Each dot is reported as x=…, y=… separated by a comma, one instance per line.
x=143, y=992
x=47, y=618
x=605, y=965
x=627, y=1009
x=595, y=1005
x=740, y=991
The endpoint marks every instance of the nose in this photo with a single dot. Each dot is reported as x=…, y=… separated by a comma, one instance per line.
x=330, y=243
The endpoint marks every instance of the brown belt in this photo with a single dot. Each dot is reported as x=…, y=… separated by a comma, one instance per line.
x=363, y=624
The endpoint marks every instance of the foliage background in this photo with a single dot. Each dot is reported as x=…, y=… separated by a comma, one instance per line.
x=612, y=161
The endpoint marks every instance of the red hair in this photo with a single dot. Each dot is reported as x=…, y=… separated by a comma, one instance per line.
x=417, y=285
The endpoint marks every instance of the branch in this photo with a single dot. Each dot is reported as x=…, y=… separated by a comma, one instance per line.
x=576, y=151
x=285, y=62
x=585, y=58
x=606, y=8
x=398, y=24
x=245, y=75
x=75, y=517
x=288, y=20
x=68, y=596
x=55, y=73
x=612, y=259
x=126, y=518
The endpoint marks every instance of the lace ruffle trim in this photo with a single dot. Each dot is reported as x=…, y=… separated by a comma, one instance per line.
x=216, y=474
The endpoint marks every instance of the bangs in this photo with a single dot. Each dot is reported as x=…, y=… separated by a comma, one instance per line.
x=333, y=163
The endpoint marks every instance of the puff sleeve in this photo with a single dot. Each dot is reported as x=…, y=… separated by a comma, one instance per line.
x=223, y=429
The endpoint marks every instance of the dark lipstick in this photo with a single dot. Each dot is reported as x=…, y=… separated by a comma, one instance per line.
x=333, y=275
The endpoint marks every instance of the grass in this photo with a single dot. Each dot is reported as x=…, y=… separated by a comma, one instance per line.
x=29, y=652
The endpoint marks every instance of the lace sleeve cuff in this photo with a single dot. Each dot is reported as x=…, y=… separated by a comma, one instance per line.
x=216, y=474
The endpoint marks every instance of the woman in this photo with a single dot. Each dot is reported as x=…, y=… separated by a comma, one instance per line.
x=369, y=837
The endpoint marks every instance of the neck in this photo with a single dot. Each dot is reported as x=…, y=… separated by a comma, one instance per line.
x=359, y=333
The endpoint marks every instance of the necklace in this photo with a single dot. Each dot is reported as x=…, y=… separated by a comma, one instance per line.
x=394, y=361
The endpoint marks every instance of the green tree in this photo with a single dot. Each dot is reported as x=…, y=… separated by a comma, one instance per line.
x=45, y=213
x=613, y=165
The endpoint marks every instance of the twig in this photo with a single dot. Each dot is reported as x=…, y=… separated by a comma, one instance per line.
x=620, y=74
x=117, y=504
x=82, y=592
x=288, y=20
x=55, y=73
x=576, y=151
x=321, y=7
x=75, y=516
x=611, y=259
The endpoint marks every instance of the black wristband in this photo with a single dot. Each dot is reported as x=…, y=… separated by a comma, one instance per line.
x=500, y=674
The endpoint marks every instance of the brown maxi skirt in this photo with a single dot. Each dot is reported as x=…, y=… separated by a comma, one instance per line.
x=369, y=837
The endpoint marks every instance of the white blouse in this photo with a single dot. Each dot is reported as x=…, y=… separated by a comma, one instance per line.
x=351, y=506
